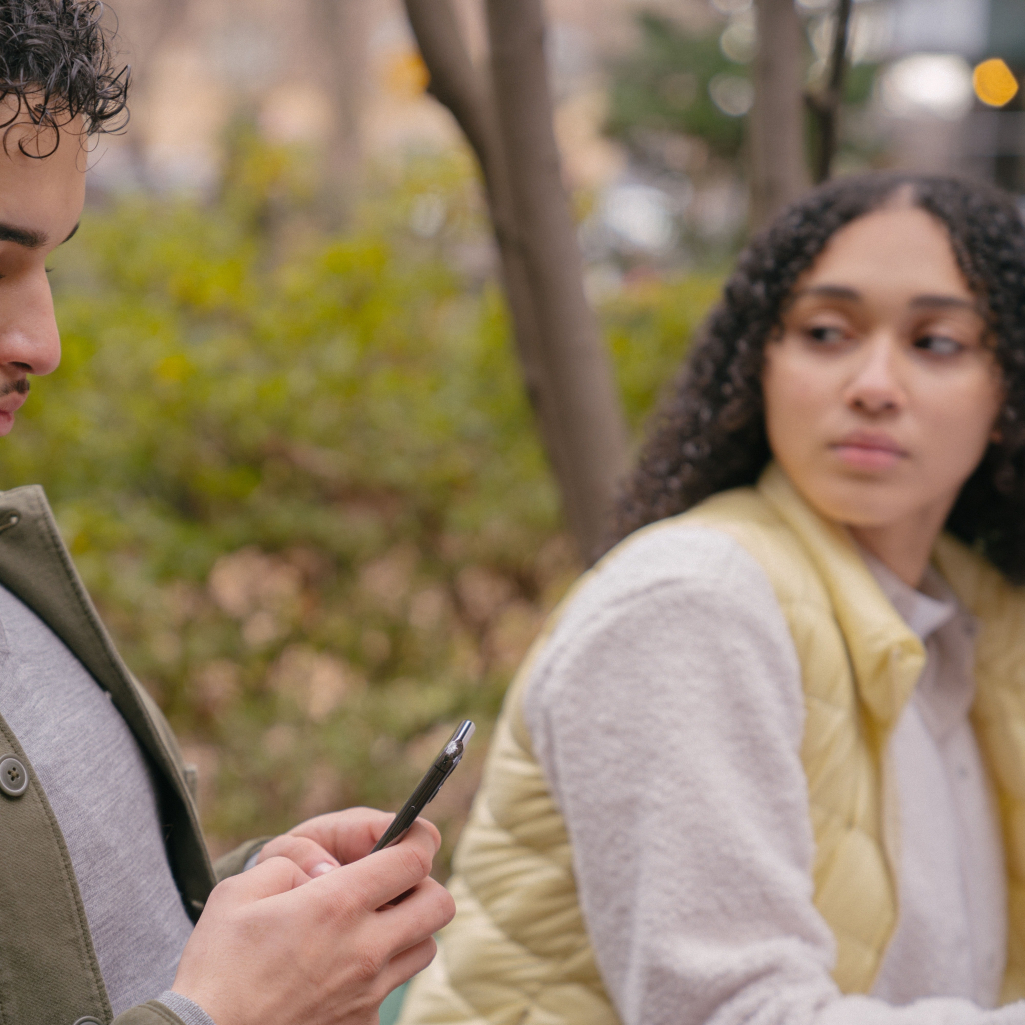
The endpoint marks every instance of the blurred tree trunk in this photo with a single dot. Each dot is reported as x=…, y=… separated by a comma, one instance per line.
x=506, y=114
x=339, y=40
x=778, y=170
x=826, y=108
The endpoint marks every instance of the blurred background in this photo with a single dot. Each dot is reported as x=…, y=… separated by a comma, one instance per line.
x=290, y=445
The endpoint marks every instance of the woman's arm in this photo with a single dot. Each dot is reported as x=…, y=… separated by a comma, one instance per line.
x=667, y=712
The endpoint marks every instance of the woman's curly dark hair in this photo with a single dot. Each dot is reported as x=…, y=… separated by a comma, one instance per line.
x=57, y=62
x=710, y=433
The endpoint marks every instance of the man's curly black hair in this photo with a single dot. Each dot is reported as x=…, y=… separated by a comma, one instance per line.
x=57, y=62
x=710, y=433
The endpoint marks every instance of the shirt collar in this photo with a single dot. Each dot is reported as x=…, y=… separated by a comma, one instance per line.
x=946, y=687
x=925, y=609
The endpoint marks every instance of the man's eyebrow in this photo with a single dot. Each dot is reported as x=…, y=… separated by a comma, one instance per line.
x=27, y=237
x=23, y=236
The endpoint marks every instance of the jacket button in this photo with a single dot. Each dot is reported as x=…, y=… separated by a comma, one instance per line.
x=13, y=778
x=88, y=1020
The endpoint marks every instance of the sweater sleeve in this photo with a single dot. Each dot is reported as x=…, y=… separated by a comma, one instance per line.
x=667, y=712
x=237, y=861
x=153, y=1012
x=168, y=1009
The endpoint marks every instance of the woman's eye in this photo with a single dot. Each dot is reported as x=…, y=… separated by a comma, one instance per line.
x=940, y=345
x=825, y=334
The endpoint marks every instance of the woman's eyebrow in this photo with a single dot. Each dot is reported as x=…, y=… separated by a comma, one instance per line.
x=944, y=302
x=829, y=292
x=928, y=301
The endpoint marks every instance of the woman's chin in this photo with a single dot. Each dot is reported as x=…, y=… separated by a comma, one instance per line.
x=860, y=504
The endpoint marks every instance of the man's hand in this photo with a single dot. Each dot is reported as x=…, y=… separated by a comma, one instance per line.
x=275, y=947
x=323, y=843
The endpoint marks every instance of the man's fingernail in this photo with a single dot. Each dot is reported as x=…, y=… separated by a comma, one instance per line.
x=321, y=869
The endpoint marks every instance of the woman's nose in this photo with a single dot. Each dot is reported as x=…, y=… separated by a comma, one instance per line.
x=874, y=386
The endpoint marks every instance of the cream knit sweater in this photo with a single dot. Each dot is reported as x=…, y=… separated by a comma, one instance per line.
x=688, y=810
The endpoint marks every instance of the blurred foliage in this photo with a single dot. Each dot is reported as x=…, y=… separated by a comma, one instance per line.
x=663, y=86
x=859, y=82
x=300, y=477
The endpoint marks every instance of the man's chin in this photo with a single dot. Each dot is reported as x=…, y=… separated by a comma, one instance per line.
x=6, y=423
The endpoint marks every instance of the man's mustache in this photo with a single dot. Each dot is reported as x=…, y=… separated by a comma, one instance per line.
x=21, y=387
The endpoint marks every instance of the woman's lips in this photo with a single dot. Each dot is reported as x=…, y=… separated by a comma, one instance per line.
x=868, y=451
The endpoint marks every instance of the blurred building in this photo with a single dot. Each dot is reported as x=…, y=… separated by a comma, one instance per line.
x=925, y=96
x=341, y=80
x=341, y=77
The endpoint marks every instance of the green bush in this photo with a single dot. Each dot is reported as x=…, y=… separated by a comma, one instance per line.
x=300, y=477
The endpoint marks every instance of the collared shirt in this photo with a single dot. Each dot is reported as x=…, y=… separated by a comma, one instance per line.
x=951, y=933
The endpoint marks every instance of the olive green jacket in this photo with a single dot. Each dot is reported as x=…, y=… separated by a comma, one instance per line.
x=49, y=974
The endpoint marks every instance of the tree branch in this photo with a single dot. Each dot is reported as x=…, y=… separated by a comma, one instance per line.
x=507, y=119
x=826, y=108
x=588, y=409
x=454, y=80
x=456, y=84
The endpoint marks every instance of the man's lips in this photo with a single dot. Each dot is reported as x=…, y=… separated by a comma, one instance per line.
x=869, y=450
x=12, y=402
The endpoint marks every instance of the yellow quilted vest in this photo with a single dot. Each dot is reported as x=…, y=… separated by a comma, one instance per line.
x=517, y=952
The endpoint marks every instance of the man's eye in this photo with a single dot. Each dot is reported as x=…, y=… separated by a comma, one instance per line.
x=940, y=345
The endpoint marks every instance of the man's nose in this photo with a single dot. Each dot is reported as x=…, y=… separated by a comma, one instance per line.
x=29, y=340
x=874, y=386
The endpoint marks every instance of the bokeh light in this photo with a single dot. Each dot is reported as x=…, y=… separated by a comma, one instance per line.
x=938, y=84
x=994, y=82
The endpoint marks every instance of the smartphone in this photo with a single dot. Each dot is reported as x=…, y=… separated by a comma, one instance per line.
x=427, y=789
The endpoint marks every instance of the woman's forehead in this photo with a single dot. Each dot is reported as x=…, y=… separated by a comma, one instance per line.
x=891, y=249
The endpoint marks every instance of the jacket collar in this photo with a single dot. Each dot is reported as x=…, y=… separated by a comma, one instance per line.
x=886, y=656
x=36, y=567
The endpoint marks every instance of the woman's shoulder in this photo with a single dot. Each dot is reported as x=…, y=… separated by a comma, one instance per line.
x=663, y=573
x=679, y=551
x=681, y=604
x=716, y=548
x=735, y=532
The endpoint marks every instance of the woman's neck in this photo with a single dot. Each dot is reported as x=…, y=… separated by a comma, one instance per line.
x=904, y=548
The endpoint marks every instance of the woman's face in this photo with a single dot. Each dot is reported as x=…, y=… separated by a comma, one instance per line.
x=880, y=393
